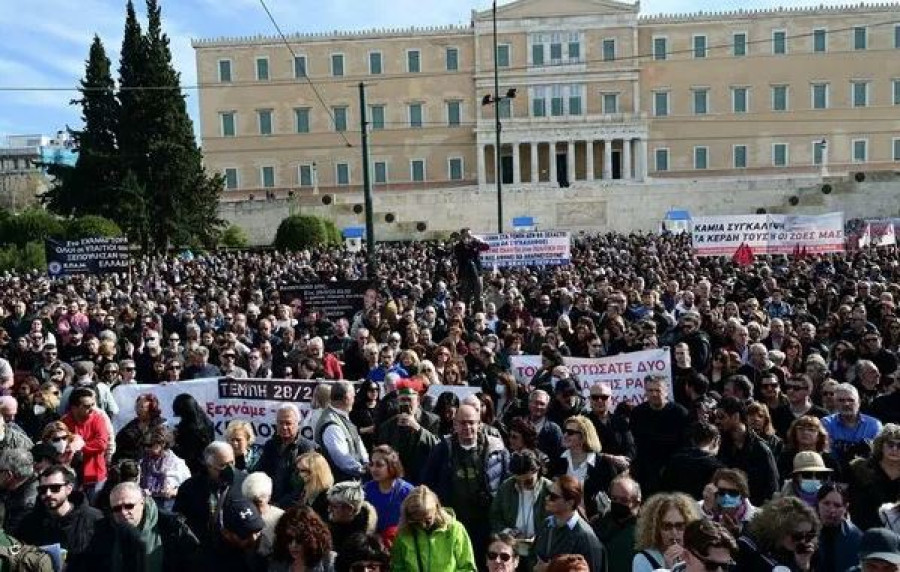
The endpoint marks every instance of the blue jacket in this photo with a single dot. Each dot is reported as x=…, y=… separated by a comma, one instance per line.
x=839, y=547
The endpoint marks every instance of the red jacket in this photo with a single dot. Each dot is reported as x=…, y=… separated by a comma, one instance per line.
x=332, y=367
x=96, y=441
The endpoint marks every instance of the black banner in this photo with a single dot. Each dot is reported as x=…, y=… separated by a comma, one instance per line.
x=342, y=299
x=87, y=256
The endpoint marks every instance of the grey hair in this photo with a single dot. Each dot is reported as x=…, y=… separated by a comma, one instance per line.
x=289, y=407
x=348, y=492
x=216, y=449
x=19, y=462
x=538, y=393
x=340, y=390
x=126, y=487
x=257, y=486
x=848, y=388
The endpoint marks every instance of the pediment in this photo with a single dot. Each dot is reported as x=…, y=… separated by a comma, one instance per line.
x=556, y=8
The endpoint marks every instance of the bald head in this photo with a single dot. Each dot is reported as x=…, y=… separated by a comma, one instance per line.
x=466, y=424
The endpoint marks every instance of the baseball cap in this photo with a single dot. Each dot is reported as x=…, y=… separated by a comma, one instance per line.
x=242, y=518
x=880, y=544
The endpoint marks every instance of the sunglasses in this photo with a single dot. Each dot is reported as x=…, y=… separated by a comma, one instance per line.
x=714, y=565
x=128, y=369
x=804, y=537
x=125, y=506
x=54, y=488
x=670, y=526
x=59, y=439
x=503, y=556
x=728, y=492
x=600, y=397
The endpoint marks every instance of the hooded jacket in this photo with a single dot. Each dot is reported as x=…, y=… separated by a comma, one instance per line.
x=72, y=531
x=447, y=548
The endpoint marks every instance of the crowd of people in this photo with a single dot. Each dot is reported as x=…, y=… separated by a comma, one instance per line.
x=774, y=442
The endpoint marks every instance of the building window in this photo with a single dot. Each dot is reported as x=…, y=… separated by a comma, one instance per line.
x=780, y=154
x=739, y=96
x=337, y=65
x=417, y=170
x=377, y=117
x=539, y=102
x=262, y=69
x=699, y=47
x=455, y=169
x=231, y=179
x=503, y=55
x=267, y=177
x=739, y=44
x=897, y=37
x=452, y=57
x=301, y=115
x=229, y=124
x=574, y=47
x=610, y=103
x=225, y=71
x=740, y=156
x=660, y=49
x=555, y=52
x=537, y=54
x=860, y=150
x=701, y=158
x=860, y=93
x=896, y=145
x=453, y=113
x=505, y=108
x=609, y=50
x=265, y=121
x=779, y=98
x=415, y=115
x=413, y=63
x=375, y=67
x=557, y=101
x=896, y=95
x=779, y=42
x=661, y=103
x=340, y=118
x=300, y=67
x=306, y=175
x=661, y=158
x=381, y=174
x=820, y=41
x=575, y=100
x=342, y=172
x=818, y=152
x=860, y=38
x=701, y=101
x=820, y=96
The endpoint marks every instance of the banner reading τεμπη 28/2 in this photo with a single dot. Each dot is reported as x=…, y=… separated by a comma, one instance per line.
x=768, y=234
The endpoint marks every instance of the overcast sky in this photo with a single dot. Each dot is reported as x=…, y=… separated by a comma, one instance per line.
x=45, y=43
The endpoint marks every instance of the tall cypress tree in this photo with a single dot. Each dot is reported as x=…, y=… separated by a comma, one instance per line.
x=90, y=186
x=183, y=199
x=132, y=72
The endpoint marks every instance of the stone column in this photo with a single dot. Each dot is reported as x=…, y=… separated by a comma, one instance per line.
x=482, y=168
x=570, y=161
x=517, y=165
x=535, y=164
x=607, y=159
x=589, y=160
x=642, y=159
x=626, y=159
x=552, y=153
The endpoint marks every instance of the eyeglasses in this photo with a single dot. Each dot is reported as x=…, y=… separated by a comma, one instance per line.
x=125, y=506
x=503, y=556
x=807, y=537
x=599, y=397
x=673, y=526
x=54, y=488
x=714, y=565
x=571, y=432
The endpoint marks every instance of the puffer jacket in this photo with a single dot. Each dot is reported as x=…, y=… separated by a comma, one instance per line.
x=446, y=548
x=438, y=472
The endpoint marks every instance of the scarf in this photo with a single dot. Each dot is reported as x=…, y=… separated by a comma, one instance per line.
x=152, y=541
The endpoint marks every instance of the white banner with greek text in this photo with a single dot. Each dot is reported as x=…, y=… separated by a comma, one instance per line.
x=768, y=234
x=543, y=248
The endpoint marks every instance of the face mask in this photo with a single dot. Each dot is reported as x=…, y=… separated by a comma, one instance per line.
x=60, y=446
x=226, y=475
x=810, y=486
x=729, y=501
x=39, y=409
x=619, y=511
x=500, y=390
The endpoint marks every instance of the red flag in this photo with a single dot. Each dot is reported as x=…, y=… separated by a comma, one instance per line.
x=743, y=256
x=796, y=253
x=803, y=252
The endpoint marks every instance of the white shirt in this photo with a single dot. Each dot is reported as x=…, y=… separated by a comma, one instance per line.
x=525, y=516
x=338, y=446
x=579, y=472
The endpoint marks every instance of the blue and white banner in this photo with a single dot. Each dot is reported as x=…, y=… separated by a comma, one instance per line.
x=541, y=248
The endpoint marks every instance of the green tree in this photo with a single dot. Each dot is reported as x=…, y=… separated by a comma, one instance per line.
x=90, y=186
x=233, y=237
x=31, y=225
x=302, y=231
x=91, y=226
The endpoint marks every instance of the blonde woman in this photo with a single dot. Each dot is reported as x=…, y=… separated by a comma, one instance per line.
x=584, y=460
x=659, y=534
x=313, y=470
x=320, y=401
x=430, y=537
x=239, y=434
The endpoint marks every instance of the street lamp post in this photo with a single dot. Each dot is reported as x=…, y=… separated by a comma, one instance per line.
x=496, y=99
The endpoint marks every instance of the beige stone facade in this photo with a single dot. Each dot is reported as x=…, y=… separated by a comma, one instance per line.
x=604, y=96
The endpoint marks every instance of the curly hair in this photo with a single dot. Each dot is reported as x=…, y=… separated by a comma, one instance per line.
x=153, y=407
x=890, y=432
x=778, y=518
x=301, y=524
x=526, y=430
x=803, y=422
x=648, y=532
x=53, y=428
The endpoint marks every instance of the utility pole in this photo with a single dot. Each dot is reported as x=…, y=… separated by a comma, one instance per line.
x=367, y=183
x=497, y=171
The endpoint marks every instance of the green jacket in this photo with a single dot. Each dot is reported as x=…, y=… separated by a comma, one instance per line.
x=505, y=507
x=447, y=549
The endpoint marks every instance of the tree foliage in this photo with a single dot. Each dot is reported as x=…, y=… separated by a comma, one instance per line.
x=297, y=232
x=91, y=226
x=31, y=225
x=234, y=237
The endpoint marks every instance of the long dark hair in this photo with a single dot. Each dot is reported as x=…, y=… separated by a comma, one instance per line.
x=191, y=414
